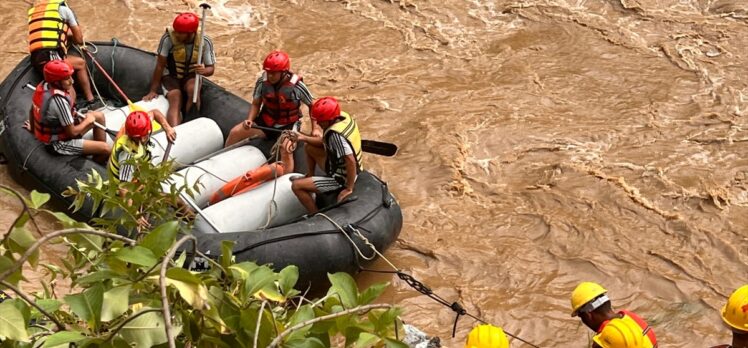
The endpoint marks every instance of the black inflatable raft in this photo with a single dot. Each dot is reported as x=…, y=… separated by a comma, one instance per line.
x=311, y=242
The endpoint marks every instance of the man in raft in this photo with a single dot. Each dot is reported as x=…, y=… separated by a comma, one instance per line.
x=53, y=119
x=51, y=23
x=133, y=143
x=276, y=101
x=178, y=53
x=343, y=157
x=622, y=329
x=735, y=315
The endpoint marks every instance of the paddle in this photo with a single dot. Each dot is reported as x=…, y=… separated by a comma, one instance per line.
x=132, y=106
x=371, y=146
x=196, y=90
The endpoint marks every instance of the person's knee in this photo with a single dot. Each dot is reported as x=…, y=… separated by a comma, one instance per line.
x=174, y=94
x=77, y=62
x=189, y=86
x=99, y=117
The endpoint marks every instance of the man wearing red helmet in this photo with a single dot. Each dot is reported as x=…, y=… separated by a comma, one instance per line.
x=51, y=23
x=178, y=54
x=343, y=157
x=277, y=100
x=132, y=144
x=52, y=116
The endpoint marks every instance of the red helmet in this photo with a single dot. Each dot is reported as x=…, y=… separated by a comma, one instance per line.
x=57, y=70
x=138, y=124
x=325, y=109
x=186, y=23
x=277, y=61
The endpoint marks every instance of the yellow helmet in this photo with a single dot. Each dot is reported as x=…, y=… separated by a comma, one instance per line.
x=584, y=293
x=735, y=311
x=487, y=336
x=620, y=334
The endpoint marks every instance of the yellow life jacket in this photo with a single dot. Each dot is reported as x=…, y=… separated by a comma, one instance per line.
x=124, y=143
x=46, y=27
x=178, y=64
x=348, y=128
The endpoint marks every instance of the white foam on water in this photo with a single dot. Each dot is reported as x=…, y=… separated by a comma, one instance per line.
x=242, y=14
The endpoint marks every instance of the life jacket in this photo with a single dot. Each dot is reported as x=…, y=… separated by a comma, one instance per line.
x=649, y=339
x=248, y=181
x=46, y=27
x=347, y=127
x=124, y=143
x=179, y=59
x=280, y=104
x=49, y=129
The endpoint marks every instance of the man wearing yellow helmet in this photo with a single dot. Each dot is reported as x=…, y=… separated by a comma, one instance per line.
x=487, y=336
x=622, y=329
x=735, y=315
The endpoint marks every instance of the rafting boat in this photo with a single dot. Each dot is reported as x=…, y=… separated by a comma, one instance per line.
x=267, y=224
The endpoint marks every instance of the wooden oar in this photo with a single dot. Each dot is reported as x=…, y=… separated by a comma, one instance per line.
x=371, y=146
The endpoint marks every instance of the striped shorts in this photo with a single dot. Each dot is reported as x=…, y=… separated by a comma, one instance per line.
x=326, y=184
x=72, y=147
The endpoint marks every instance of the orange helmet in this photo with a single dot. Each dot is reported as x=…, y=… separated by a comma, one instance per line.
x=57, y=70
x=138, y=124
x=325, y=109
x=276, y=61
x=186, y=23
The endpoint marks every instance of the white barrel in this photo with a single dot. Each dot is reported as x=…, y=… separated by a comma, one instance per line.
x=115, y=118
x=249, y=211
x=214, y=172
x=195, y=139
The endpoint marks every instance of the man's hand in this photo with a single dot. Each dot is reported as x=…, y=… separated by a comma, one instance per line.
x=343, y=194
x=171, y=134
x=199, y=68
x=27, y=125
x=90, y=118
x=150, y=96
x=247, y=124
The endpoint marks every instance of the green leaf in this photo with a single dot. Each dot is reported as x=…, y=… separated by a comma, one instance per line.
x=97, y=277
x=146, y=330
x=49, y=305
x=87, y=241
x=63, y=337
x=161, y=238
x=372, y=293
x=304, y=313
x=20, y=240
x=227, y=247
x=365, y=339
x=87, y=305
x=67, y=221
x=190, y=287
x=241, y=271
x=258, y=279
x=287, y=279
x=137, y=255
x=6, y=264
x=344, y=285
x=116, y=302
x=38, y=199
x=12, y=325
x=22, y=307
x=309, y=342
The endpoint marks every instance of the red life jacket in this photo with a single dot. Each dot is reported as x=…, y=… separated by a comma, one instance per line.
x=646, y=330
x=47, y=129
x=280, y=105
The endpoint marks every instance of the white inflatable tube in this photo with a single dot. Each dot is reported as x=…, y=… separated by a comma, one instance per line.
x=195, y=139
x=249, y=211
x=214, y=172
x=115, y=118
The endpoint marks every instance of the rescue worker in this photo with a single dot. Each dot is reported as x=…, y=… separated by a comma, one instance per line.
x=178, y=54
x=51, y=24
x=276, y=101
x=133, y=143
x=622, y=329
x=53, y=116
x=343, y=157
x=487, y=336
x=735, y=315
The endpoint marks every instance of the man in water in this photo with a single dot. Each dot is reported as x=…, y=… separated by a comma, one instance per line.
x=178, y=53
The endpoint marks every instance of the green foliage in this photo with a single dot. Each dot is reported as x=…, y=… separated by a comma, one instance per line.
x=116, y=298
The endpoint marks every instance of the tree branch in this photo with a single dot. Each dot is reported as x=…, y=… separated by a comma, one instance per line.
x=298, y=326
x=131, y=318
x=259, y=321
x=18, y=263
x=162, y=284
x=28, y=300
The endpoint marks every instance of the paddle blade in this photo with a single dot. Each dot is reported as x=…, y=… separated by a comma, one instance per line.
x=379, y=148
x=134, y=107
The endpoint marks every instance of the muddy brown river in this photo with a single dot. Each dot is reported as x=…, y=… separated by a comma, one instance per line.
x=542, y=143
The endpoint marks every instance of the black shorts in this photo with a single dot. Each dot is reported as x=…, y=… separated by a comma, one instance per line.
x=171, y=82
x=43, y=56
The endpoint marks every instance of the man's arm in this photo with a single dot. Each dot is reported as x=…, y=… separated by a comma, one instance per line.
x=158, y=71
x=161, y=119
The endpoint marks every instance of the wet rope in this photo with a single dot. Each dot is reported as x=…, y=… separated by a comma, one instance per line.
x=408, y=279
x=91, y=75
x=276, y=153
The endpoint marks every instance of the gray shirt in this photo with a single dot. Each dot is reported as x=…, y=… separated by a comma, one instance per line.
x=209, y=57
x=68, y=16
